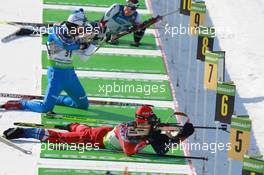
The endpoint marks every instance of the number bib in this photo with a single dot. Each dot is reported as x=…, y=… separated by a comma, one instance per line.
x=117, y=25
x=111, y=141
x=59, y=57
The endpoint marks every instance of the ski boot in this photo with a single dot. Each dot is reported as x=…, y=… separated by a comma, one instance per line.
x=113, y=42
x=12, y=105
x=13, y=133
x=135, y=44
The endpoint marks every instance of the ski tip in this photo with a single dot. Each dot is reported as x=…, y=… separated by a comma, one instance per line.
x=28, y=152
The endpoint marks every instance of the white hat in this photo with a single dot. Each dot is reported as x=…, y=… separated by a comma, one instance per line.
x=77, y=17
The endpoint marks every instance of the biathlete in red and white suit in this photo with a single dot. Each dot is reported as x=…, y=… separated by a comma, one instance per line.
x=120, y=137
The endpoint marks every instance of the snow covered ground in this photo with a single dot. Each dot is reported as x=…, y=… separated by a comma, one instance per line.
x=240, y=24
x=19, y=75
x=245, y=53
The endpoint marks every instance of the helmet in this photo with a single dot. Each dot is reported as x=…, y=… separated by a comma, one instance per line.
x=145, y=114
x=132, y=3
x=77, y=17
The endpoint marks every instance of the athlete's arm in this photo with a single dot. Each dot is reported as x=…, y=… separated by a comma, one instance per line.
x=110, y=13
x=138, y=19
x=128, y=148
x=85, y=52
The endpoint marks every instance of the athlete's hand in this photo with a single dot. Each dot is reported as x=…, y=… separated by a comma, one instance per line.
x=83, y=46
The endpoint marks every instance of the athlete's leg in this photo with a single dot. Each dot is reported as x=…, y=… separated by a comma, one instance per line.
x=77, y=97
x=53, y=90
x=137, y=37
x=47, y=135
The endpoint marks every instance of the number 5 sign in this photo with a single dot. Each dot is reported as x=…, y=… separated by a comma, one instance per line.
x=239, y=137
x=225, y=100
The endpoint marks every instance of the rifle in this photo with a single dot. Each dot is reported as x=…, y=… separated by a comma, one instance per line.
x=144, y=25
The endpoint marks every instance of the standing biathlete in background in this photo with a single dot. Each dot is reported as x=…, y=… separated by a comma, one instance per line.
x=122, y=137
x=121, y=18
x=62, y=43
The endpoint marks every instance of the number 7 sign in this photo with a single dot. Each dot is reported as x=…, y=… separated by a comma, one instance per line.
x=211, y=70
x=239, y=137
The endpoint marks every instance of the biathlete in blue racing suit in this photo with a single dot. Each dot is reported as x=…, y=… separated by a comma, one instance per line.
x=62, y=43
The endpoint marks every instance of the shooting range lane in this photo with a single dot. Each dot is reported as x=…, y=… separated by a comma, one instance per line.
x=114, y=62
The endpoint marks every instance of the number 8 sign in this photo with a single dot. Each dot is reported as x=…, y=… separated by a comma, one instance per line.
x=239, y=137
x=205, y=41
x=225, y=100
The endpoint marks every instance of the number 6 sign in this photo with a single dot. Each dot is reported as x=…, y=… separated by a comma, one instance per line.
x=239, y=137
x=225, y=100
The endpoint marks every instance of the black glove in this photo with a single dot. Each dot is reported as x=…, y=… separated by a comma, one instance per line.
x=186, y=131
x=159, y=142
x=84, y=46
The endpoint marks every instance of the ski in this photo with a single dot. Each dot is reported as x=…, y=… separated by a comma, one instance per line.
x=21, y=33
x=10, y=37
x=71, y=119
x=27, y=29
x=78, y=119
x=34, y=125
x=11, y=144
x=29, y=24
x=94, y=102
x=38, y=26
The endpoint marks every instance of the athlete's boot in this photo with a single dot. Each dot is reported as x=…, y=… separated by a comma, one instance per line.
x=12, y=105
x=13, y=133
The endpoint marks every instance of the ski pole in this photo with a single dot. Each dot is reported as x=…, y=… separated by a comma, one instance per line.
x=170, y=13
x=223, y=128
x=146, y=154
x=9, y=143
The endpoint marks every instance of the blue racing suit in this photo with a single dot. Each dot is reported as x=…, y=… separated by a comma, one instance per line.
x=61, y=75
